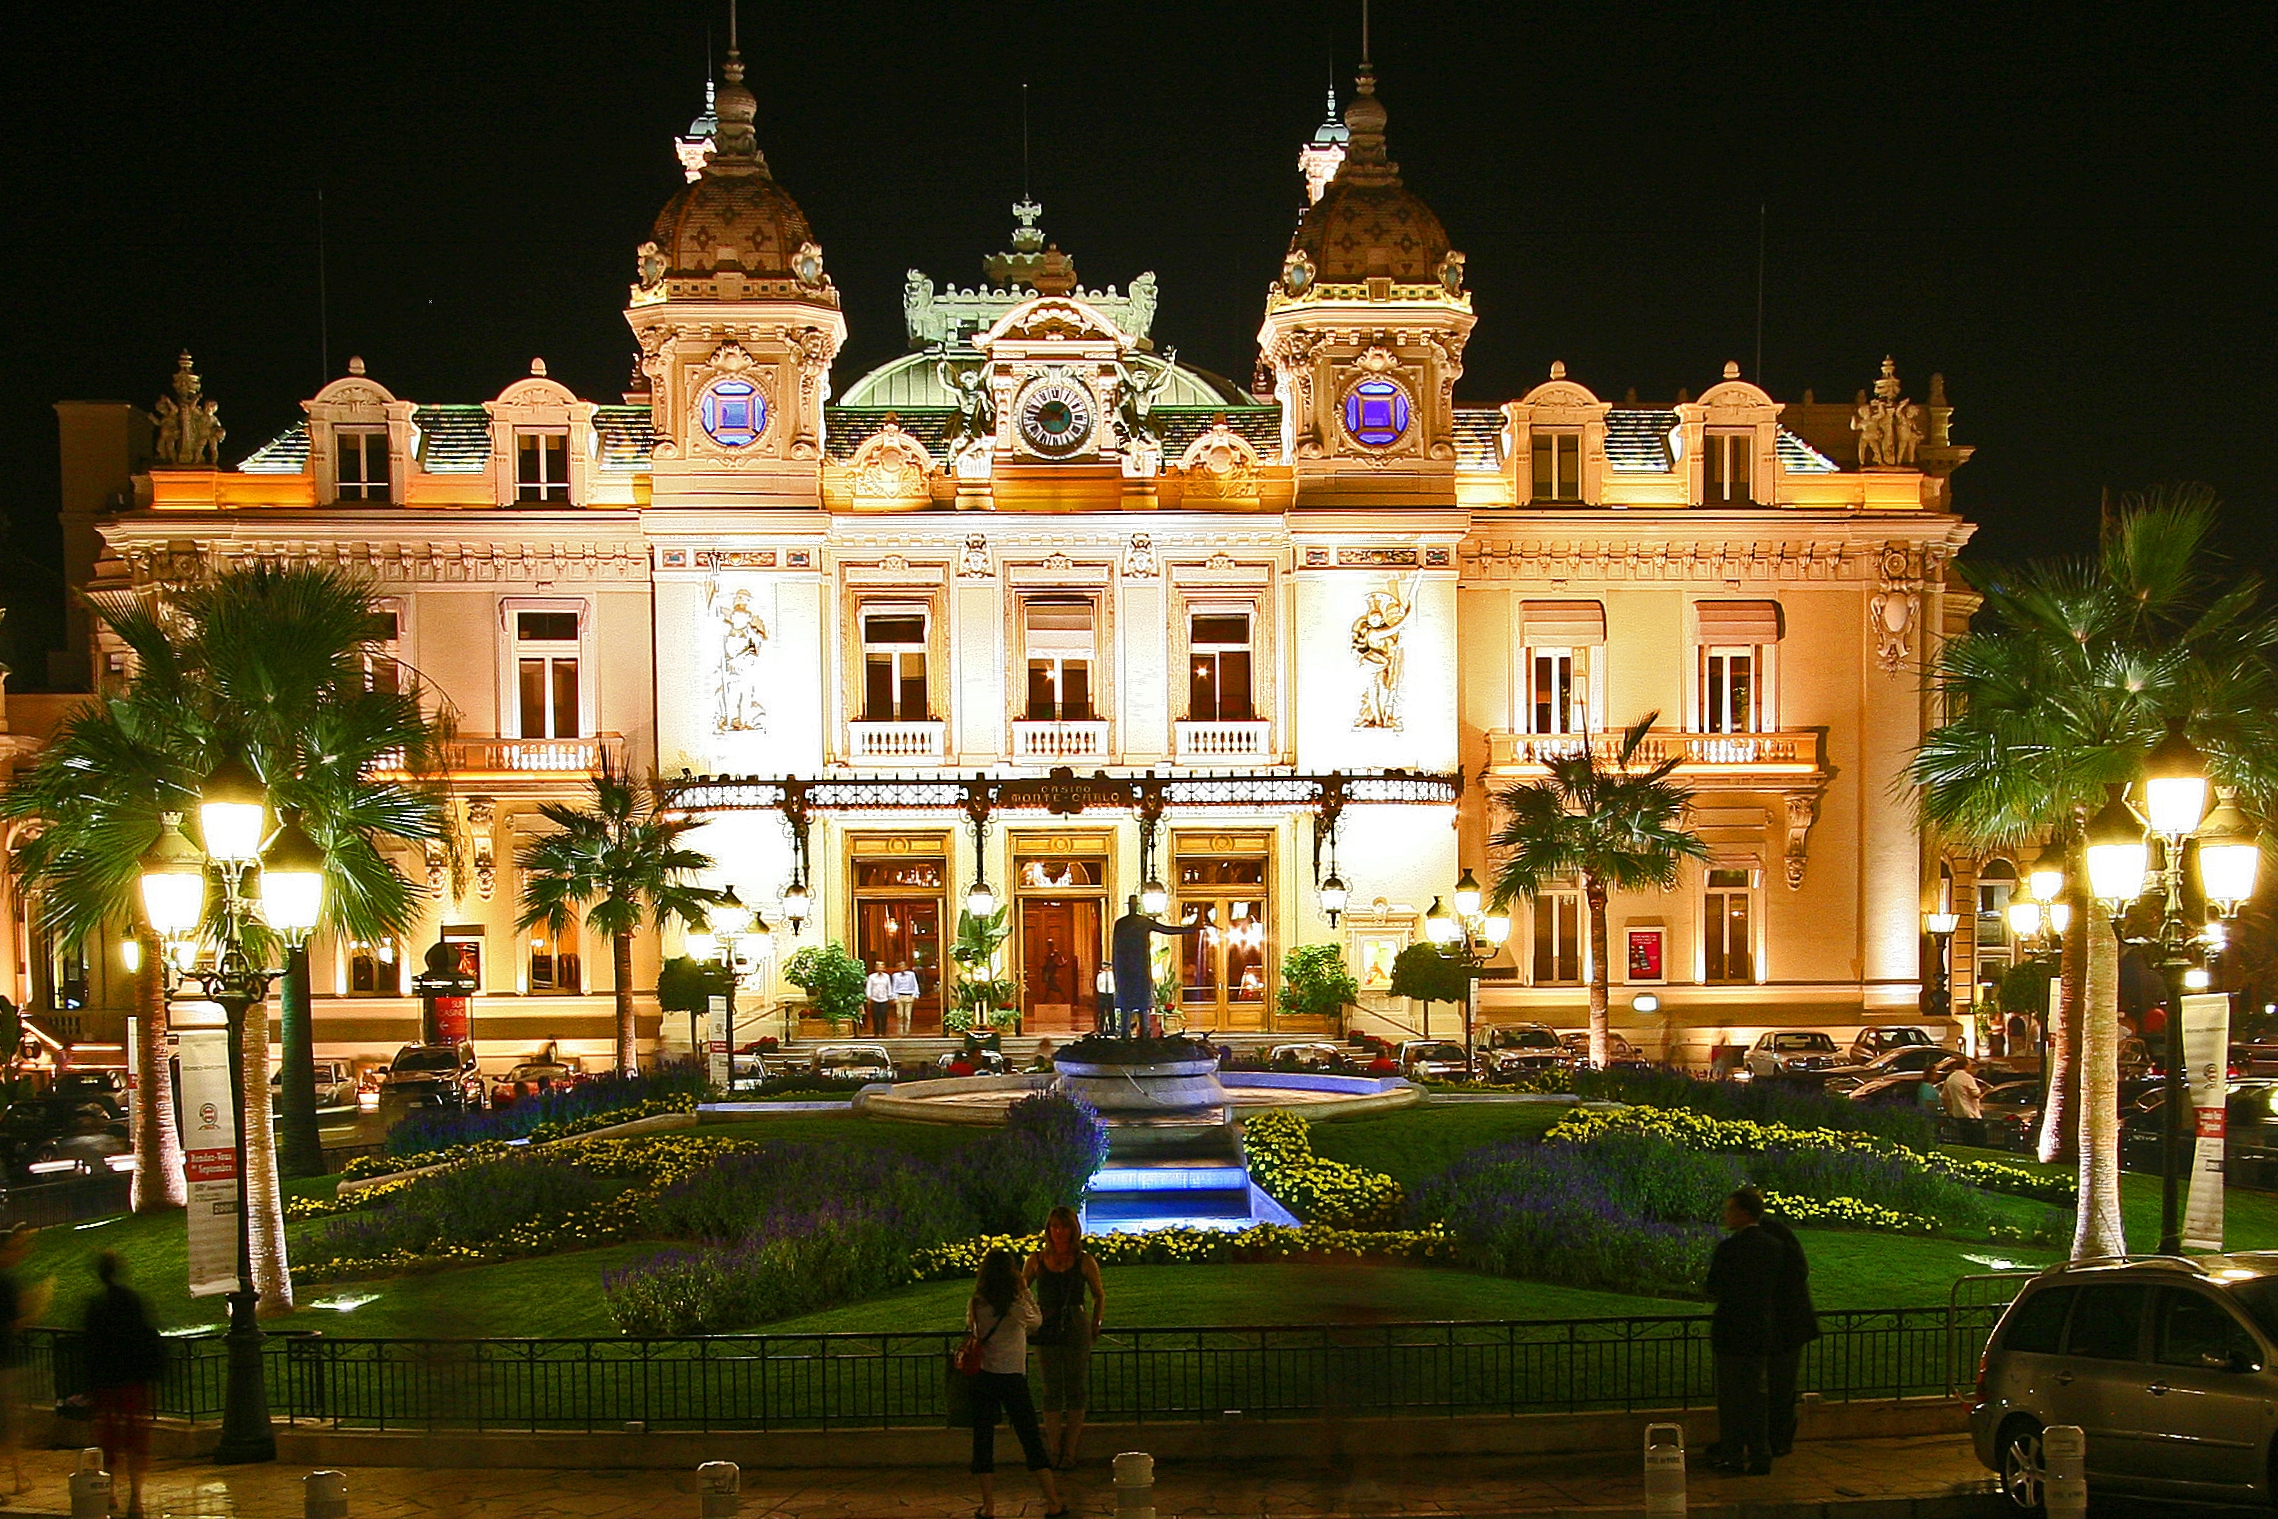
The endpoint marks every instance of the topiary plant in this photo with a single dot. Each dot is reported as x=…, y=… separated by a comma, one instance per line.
x=833, y=981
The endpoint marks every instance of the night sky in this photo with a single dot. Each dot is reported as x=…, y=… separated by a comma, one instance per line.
x=2053, y=206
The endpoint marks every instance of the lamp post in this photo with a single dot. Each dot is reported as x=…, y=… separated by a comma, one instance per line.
x=728, y=923
x=286, y=898
x=1940, y=927
x=1472, y=934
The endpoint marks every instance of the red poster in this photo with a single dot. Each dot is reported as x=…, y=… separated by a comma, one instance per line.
x=1645, y=954
x=450, y=1020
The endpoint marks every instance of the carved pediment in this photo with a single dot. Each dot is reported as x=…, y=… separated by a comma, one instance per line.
x=1054, y=318
x=890, y=465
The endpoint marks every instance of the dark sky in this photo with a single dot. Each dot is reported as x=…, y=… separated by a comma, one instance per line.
x=2054, y=206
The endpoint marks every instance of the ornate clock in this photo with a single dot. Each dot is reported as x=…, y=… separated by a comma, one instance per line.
x=1056, y=417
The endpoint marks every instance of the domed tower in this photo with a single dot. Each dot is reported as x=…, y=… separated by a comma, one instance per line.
x=737, y=324
x=1364, y=331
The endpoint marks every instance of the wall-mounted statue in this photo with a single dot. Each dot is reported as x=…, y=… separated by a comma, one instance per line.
x=1376, y=639
x=743, y=639
x=189, y=425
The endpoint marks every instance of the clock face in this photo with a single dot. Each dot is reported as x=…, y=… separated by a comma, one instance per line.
x=1056, y=417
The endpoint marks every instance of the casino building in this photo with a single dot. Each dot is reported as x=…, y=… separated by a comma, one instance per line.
x=1040, y=606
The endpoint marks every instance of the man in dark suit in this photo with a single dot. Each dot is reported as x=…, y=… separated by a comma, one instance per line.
x=1795, y=1324
x=1744, y=1278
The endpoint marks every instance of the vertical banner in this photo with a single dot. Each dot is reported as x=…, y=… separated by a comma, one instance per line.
x=716, y=1040
x=2206, y=1064
x=209, y=1161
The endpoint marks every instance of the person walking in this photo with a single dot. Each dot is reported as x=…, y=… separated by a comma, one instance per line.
x=1103, y=991
x=998, y=1317
x=905, y=998
x=125, y=1355
x=878, y=991
x=1743, y=1277
x=1795, y=1324
x=1063, y=1275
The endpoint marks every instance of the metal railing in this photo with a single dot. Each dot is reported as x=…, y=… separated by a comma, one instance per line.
x=1205, y=743
x=1036, y=742
x=1793, y=752
x=918, y=743
x=66, y=1202
x=888, y=1381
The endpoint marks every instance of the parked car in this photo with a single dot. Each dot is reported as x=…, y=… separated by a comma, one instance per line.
x=534, y=1076
x=2165, y=1364
x=1514, y=1048
x=1906, y=1060
x=435, y=1075
x=32, y=1129
x=1433, y=1060
x=2250, y=1123
x=2012, y=1113
x=335, y=1086
x=976, y=1062
x=1895, y=1089
x=1621, y=1055
x=853, y=1062
x=1792, y=1054
x=1307, y=1057
x=106, y=1089
x=1875, y=1041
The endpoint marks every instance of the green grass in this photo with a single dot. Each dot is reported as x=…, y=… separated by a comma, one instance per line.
x=1413, y=1143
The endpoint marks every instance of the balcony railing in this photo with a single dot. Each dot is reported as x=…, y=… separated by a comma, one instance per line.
x=870, y=743
x=1057, y=742
x=1696, y=754
x=506, y=757
x=1220, y=743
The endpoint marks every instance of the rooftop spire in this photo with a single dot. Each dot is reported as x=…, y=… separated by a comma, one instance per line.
x=735, y=146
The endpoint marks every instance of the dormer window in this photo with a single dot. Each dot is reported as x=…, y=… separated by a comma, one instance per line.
x=541, y=465
x=1728, y=474
x=1557, y=466
x=361, y=463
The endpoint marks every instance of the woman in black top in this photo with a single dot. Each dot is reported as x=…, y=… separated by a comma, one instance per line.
x=1063, y=1274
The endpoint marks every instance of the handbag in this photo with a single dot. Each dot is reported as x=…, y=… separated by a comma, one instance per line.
x=957, y=1376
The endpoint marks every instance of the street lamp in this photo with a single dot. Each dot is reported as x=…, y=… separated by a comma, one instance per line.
x=1940, y=927
x=795, y=904
x=288, y=899
x=728, y=923
x=2046, y=878
x=1471, y=935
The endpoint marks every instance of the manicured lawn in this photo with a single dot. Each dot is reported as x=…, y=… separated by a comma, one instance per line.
x=1412, y=1144
x=925, y=1139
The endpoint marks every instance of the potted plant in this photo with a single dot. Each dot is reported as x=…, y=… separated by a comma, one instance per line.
x=985, y=997
x=1316, y=983
x=832, y=980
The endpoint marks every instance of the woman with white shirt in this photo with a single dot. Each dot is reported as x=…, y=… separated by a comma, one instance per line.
x=999, y=1317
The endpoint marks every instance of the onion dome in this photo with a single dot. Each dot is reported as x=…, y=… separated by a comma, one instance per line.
x=1367, y=224
x=733, y=216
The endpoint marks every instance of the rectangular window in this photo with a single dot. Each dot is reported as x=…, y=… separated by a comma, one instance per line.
x=1728, y=472
x=1729, y=685
x=554, y=964
x=893, y=666
x=541, y=466
x=1558, y=690
x=1219, y=687
x=381, y=671
x=1060, y=653
x=546, y=674
x=374, y=970
x=1725, y=913
x=1557, y=466
x=361, y=456
x=1558, y=938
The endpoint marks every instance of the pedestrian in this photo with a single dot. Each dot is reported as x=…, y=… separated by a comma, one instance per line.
x=125, y=1355
x=878, y=991
x=1963, y=1097
x=1042, y=1059
x=998, y=1318
x=905, y=998
x=1103, y=989
x=2020, y=1037
x=1063, y=1275
x=18, y=1306
x=1744, y=1278
x=1795, y=1324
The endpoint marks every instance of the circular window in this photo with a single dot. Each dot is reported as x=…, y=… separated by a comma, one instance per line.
x=1376, y=413
x=733, y=412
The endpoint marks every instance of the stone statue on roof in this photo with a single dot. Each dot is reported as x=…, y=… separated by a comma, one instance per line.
x=925, y=321
x=189, y=425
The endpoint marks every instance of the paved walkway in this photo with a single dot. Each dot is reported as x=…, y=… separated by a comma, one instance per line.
x=1923, y=1477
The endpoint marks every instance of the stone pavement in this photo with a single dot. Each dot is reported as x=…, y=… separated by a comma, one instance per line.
x=1918, y=1477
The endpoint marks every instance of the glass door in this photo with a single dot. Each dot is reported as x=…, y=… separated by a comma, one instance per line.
x=1225, y=971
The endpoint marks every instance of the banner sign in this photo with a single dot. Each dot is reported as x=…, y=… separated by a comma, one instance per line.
x=209, y=1161
x=2206, y=1065
x=716, y=1039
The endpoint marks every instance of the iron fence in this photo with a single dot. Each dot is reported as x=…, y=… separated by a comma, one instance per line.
x=49, y=1203
x=885, y=1381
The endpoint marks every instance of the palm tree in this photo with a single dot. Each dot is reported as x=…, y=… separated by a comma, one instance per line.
x=619, y=863
x=1617, y=825
x=2067, y=677
x=269, y=663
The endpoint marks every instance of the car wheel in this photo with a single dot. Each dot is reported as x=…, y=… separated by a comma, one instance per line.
x=2024, y=1471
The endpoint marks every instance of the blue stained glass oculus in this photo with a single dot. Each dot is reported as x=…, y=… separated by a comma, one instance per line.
x=733, y=412
x=1376, y=413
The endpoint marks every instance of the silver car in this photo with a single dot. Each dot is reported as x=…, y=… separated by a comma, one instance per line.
x=2164, y=1363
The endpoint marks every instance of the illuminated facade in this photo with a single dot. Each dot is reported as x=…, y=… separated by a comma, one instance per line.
x=1134, y=619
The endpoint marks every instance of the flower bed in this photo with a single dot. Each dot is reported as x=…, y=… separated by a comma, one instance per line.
x=1279, y=1148
x=672, y=1087
x=1195, y=1247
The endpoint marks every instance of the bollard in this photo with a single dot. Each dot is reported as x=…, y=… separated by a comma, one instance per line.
x=1135, y=1485
x=1664, y=1471
x=2064, y=1471
x=90, y=1486
x=324, y=1495
x=719, y=1482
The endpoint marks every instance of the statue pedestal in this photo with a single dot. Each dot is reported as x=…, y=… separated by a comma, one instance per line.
x=1149, y=1106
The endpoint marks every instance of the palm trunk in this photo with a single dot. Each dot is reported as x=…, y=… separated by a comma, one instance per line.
x=1600, y=1041
x=303, y=1145
x=158, y=1180
x=2060, y=1119
x=272, y=1274
x=621, y=967
x=2098, y=1231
